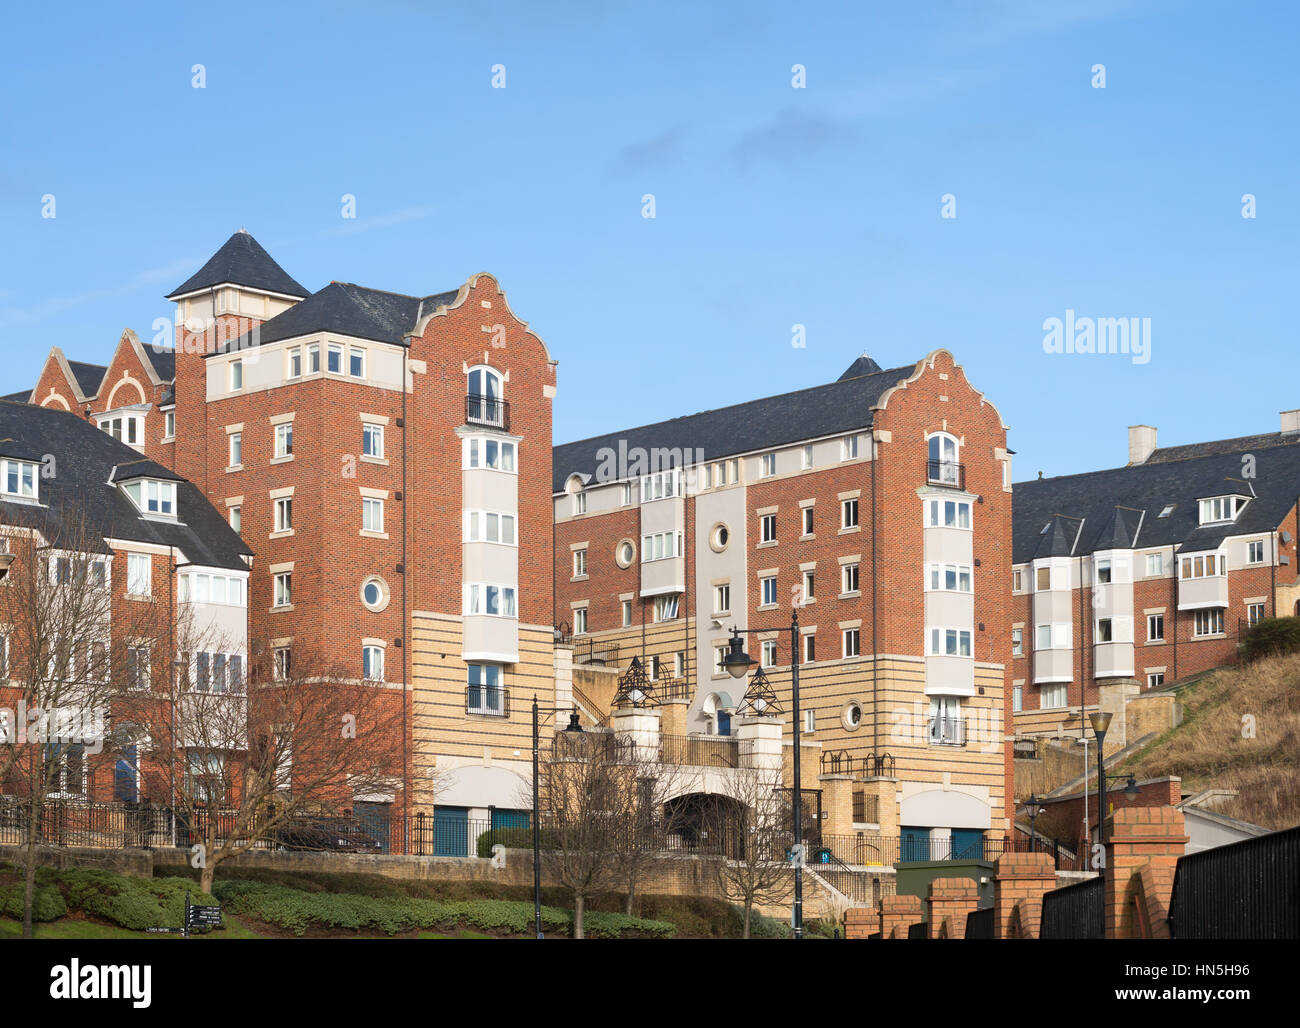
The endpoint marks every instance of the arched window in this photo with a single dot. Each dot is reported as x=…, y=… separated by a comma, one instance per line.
x=483, y=404
x=942, y=467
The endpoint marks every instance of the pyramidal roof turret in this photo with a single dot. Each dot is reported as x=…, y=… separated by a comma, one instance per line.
x=241, y=261
x=864, y=365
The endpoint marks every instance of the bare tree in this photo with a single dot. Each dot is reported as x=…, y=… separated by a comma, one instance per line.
x=650, y=819
x=296, y=737
x=72, y=646
x=752, y=825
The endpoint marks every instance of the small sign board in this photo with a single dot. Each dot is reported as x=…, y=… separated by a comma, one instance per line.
x=203, y=917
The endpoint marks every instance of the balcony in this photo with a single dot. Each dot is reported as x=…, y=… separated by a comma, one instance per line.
x=946, y=473
x=947, y=731
x=487, y=410
x=700, y=751
x=482, y=699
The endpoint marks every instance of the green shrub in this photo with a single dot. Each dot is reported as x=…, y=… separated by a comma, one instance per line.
x=135, y=903
x=513, y=839
x=47, y=903
x=598, y=925
x=1272, y=637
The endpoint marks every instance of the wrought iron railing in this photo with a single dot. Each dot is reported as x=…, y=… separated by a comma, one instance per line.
x=945, y=473
x=588, y=650
x=1245, y=890
x=487, y=410
x=947, y=731
x=480, y=699
x=699, y=750
x=872, y=765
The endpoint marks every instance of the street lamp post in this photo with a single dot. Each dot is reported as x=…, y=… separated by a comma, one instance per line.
x=1100, y=720
x=575, y=727
x=1035, y=808
x=738, y=662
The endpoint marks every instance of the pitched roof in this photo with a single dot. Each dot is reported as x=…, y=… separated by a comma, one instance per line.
x=864, y=365
x=1238, y=445
x=241, y=261
x=348, y=309
x=86, y=459
x=163, y=361
x=844, y=405
x=88, y=376
x=1120, y=507
x=23, y=396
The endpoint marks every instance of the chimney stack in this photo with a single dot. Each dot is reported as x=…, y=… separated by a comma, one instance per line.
x=1290, y=422
x=1141, y=442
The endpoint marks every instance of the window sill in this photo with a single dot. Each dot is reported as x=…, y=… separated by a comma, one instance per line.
x=366, y=533
x=767, y=606
x=374, y=460
x=1156, y=642
x=234, y=467
x=281, y=535
x=167, y=439
x=579, y=578
x=1212, y=635
x=282, y=460
x=140, y=597
x=279, y=610
x=765, y=545
x=722, y=613
x=855, y=594
x=850, y=530
x=808, y=538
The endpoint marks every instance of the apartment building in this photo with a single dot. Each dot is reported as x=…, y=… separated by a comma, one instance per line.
x=1131, y=577
x=388, y=458
x=92, y=516
x=878, y=509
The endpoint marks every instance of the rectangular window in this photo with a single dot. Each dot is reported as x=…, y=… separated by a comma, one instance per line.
x=283, y=663
x=721, y=599
x=1043, y=637
x=236, y=517
x=498, y=600
x=769, y=653
x=372, y=514
x=137, y=668
x=950, y=642
x=948, y=513
x=809, y=587
x=1017, y=642
x=769, y=466
x=356, y=362
x=284, y=514
x=849, y=578
x=661, y=546
x=236, y=375
x=1105, y=630
x=1209, y=622
x=284, y=589
x=372, y=663
x=295, y=361
x=660, y=486
x=1052, y=695
x=767, y=528
x=236, y=443
x=767, y=587
x=627, y=613
x=579, y=620
x=18, y=478
x=313, y=358
x=807, y=460
x=1103, y=572
x=1017, y=698
x=580, y=503
x=169, y=424
x=950, y=578
x=1221, y=508
x=1254, y=613
x=284, y=440
x=579, y=563
x=139, y=574
x=809, y=648
x=666, y=607
x=849, y=514
x=490, y=453
x=849, y=448
x=1043, y=579
x=334, y=358
x=1155, y=627
x=485, y=695
x=1155, y=564
x=1255, y=551
x=372, y=440
x=852, y=642
x=1155, y=679
x=626, y=493
x=1204, y=566
x=807, y=521
x=1017, y=581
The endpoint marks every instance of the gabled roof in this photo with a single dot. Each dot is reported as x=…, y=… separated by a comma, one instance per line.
x=85, y=459
x=163, y=361
x=348, y=310
x=241, y=261
x=825, y=410
x=1113, y=502
x=1239, y=445
x=88, y=376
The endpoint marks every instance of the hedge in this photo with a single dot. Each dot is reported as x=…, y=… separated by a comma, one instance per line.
x=1271, y=637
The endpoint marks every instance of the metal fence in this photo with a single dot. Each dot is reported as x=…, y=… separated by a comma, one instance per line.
x=1245, y=890
x=867, y=849
x=1074, y=912
x=700, y=750
x=979, y=924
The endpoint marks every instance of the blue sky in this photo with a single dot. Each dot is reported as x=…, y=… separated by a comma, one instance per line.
x=775, y=206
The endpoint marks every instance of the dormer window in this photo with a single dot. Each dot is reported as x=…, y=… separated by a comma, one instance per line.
x=1221, y=508
x=152, y=496
x=483, y=403
x=18, y=478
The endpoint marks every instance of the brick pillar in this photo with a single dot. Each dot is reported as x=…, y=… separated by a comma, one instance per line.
x=673, y=719
x=837, y=804
x=897, y=913
x=1020, y=878
x=1143, y=845
x=761, y=738
x=860, y=922
x=952, y=898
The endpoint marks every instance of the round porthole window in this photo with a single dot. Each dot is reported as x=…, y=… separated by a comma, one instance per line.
x=719, y=536
x=852, y=715
x=625, y=553
x=374, y=593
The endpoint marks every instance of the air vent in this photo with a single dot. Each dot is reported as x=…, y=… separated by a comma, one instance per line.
x=400, y=422
x=397, y=495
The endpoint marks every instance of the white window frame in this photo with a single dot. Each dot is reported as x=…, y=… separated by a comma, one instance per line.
x=1155, y=565
x=139, y=572
x=579, y=620
x=1154, y=621
x=722, y=599
x=372, y=514
x=26, y=479
x=767, y=584
x=333, y=351
x=284, y=439
x=767, y=465
x=938, y=576
x=478, y=451
x=236, y=376
x=767, y=528
x=293, y=362
x=850, y=642
x=282, y=590
x=1017, y=642
x=1252, y=547
x=235, y=449
x=849, y=448
x=283, y=514
x=768, y=653
x=372, y=440
x=479, y=597
x=667, y=607
x=850, y=575
x=580, y=562
x=936, y=512
x=1211, y=619
x=943, y=641
x=372, y=663
x=849, y=508
x=355, y=354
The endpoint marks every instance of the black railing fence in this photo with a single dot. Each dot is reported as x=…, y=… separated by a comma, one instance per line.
x=945, y=473
x=1245, y=890
x=979, y=924
x=1074, y=912
x=700, y=750
x=487, y=410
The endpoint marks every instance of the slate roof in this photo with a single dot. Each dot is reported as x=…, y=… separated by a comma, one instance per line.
x=1239, y=445
x=1120, y=507
x=19, y=397
x=348, y=309
x=163, y=361
x=241, y=261
x=844, y=405
x=85, y=458
x=88, y=376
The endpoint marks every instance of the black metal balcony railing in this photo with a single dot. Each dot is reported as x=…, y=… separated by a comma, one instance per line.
x=480, y=699
x=487, y=410
x=946, y=473
x=700, y=751
x=589, y=650
x=872, y=765
x=947, y=731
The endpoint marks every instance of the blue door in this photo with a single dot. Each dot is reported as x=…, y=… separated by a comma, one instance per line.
x=125, y=786
x=724, y=723
x=915, y=844
x=967, y=844
x=451, y=832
